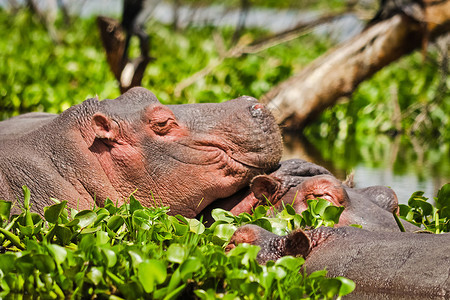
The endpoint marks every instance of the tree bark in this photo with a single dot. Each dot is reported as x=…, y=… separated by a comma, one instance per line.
x=128, y=72
x=337, y=73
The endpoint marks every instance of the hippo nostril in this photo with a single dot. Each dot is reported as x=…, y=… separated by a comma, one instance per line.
x=258, y=106
x=257, y=110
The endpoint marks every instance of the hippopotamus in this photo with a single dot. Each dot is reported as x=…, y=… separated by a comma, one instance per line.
x=383, y=265
x=295, y=181
x=182, y=156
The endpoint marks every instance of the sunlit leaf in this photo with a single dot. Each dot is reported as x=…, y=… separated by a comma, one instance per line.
x=151, y=273
x=176, y=253
x=189, y=266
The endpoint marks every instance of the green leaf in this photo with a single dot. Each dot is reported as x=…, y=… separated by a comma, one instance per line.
x=110, y=256
x=136, y=258
x=26, y=197
x=102, y=237
x=196, y=226
x=339, y=286
x=14, y=239
x=53, y=212
x=260, y=211
x=177, y=253
x=180, y=228
x=290, y=210
x=333, y=213
x=173, y=294
x=44, y=263
x=224, y=231
x=245, y=252
x=189, y=266
x=404, y=210
x=219, y=214
x=263, y=223
x=95, y=275
x=151, y=273
x=86, y=218
x=26, y=230
x=443, y=197
x=72, y=223
x=59, y=253
x=7, y=262
x=142, y=219
x=134, y=204
x=115, y=222
x=25, y=264
x=5, y=209
x=320, y=206
x=63, y=234
x=347, y=286
x=426, y=207
x=290, y=263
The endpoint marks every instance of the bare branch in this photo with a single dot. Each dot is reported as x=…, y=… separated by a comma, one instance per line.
x=245, y=46
x=337, y=73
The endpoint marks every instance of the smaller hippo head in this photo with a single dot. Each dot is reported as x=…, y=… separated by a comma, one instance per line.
x=370, y=207
x=185, y=155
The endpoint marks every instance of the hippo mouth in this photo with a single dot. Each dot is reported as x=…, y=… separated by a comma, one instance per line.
x=252, y=160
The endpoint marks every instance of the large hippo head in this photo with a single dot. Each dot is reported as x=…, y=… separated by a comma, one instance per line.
x=183, y=156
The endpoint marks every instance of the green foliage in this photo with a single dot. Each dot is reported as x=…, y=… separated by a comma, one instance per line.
x=423, y=214
x=38, y=75
x=321, y=212
x=411, y=85
x=135, y=252
x=278, y=4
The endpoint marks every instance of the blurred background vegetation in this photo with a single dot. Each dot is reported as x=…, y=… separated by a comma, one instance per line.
x=394, y=130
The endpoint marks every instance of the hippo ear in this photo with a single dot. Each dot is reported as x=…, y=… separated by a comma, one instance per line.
x=297, y=243
x=265, y=187
x=104, y=127
x=382, y=196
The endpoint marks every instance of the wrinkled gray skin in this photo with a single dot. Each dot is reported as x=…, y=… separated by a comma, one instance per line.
x=185, y=156
x=370, y=207
x=383, y=265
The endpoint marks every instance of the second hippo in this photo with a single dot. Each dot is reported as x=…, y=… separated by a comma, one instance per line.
x=296, y=181
x=383, y=265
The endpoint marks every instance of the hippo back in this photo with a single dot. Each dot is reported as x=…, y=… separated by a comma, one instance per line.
x=23, y=124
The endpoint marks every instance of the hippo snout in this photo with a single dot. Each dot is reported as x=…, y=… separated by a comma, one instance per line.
x=257, y=110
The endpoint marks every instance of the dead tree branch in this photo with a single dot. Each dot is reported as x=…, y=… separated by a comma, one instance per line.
x=337, y=73
x=246, y=46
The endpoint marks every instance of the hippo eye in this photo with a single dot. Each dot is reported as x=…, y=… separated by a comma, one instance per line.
x=313, y=196
x=162, y=127
x=162, y=124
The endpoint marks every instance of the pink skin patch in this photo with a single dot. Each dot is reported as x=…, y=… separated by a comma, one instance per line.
x=258, y=106
x=322, y=186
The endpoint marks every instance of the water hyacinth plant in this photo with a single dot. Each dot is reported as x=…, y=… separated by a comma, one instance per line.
x=135, y=252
